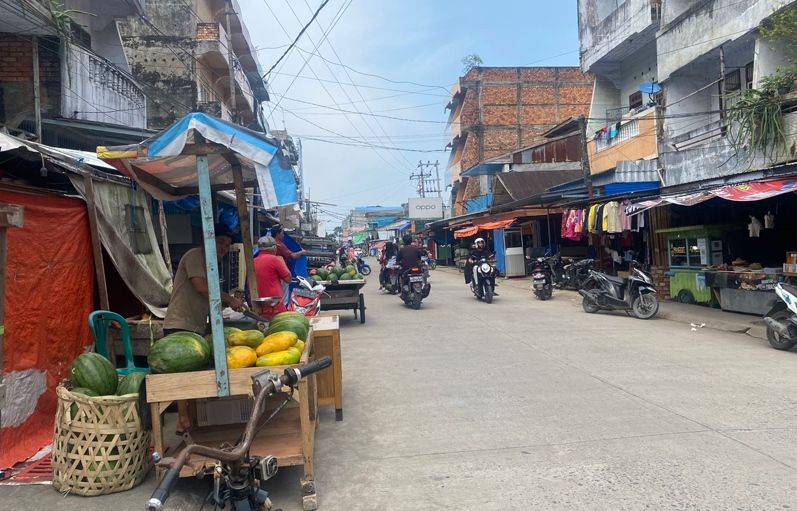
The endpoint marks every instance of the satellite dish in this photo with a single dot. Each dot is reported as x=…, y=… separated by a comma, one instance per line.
x=650, y=88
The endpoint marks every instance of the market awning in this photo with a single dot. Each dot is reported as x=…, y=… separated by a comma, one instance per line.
x=500, y=224
x=466, y=232
x=165, y=165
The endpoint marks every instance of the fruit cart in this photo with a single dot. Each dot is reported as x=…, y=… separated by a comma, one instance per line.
x=344, y=295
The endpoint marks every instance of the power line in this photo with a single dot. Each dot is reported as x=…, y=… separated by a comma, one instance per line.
x=420, y=93
x=298, y=36
x=344, y=111
x=376, y=146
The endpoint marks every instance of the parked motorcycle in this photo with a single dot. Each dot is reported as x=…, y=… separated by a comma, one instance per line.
x=483, y=282
x=782, y=319
x=542, y=278
x=414, y=287
x=429, y=262
x=362, y=266
x=305, y=298
x=635, y=294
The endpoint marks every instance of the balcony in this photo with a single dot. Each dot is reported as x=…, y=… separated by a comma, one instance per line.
x=211, y=39
x=97, y=90
x=635, y=139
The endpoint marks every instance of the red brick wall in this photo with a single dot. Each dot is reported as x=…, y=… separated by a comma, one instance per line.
x=207, y=31
x=16, y=77
x=661, y=280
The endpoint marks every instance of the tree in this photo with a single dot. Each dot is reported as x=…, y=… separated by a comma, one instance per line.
x=470, y=61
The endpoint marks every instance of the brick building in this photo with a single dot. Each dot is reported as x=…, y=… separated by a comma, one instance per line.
x=496, y=110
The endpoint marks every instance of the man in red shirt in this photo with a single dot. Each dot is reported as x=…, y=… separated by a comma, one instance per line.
x=278, y=232
x=270, y=272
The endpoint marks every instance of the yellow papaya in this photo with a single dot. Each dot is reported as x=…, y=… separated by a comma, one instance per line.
x=299, y=346
x=251, y=338
x=278, y=358
x=240, y=356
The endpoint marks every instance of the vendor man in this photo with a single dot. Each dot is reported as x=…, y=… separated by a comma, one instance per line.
x=278, y=232
x=271, y=272
x=189, y=306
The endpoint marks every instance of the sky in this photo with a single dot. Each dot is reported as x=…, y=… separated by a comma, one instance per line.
x=366, y=86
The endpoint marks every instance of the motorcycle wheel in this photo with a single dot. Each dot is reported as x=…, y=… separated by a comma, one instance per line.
x=432, y=264
x=589, y=306
x=488, y=294
x=775, y=339
x=645, y=306
x=416, y=301
x=366, y=270
x=548, y=293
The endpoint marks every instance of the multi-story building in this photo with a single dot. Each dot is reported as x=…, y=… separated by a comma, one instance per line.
x=183, y=55
x=496, y=110
x=64, y=79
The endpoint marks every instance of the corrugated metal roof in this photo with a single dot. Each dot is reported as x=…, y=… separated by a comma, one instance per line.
x=637, y=171
x=519, y=185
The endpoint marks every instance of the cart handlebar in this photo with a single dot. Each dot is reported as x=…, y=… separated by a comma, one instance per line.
x=290, y=377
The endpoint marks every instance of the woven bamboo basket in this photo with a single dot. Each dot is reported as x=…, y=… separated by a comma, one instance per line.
x=99, y=445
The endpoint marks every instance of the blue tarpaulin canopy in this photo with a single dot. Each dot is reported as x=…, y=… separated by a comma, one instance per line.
x=161, y=166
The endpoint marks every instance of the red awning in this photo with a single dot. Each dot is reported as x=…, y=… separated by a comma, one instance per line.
x=466, y=232
x=500, y=224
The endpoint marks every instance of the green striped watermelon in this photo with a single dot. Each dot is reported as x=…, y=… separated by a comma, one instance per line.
x=95, y=372
x=178, y=353
x=130, y=383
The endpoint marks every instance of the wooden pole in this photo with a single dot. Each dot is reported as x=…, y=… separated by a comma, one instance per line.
x=243, y=218
x=167, y=257
x=585, y=170
x=96, y=245
x=10, y=216
x=212, y=270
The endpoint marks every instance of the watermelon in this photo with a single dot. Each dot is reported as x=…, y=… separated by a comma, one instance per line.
x=207, y=343
x=333, y=278
x=130, y=383
x=351, y=269
x=178, y=353
x=292, y=315
x=95, y=372
x=84, y=391
x=289, y=325
x=323, y=273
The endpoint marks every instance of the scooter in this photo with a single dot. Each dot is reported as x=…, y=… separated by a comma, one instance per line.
x=392, y=276
x=414, y=287
x=575, y=273
x=429, y=262
x=305, y=298
x=362, y=266
x=781, y=320
x=542, y=278
x=636, y=294
x=482, y=285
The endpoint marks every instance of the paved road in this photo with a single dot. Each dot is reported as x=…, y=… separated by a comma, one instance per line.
x=536, y=405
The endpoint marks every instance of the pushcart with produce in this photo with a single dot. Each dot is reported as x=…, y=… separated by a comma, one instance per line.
x=343, y=286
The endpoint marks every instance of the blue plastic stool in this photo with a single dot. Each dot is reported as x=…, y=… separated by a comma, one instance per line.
x=99, y=321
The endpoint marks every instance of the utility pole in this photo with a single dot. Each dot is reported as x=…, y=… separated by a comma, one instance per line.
x=586, y=172
x=424, y=186
x=230, y=57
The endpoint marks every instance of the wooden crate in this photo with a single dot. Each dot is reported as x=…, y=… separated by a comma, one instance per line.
x=290, y=436
x=326, y=338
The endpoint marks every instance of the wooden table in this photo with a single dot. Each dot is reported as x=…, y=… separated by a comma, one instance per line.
x=290, y=436
x=326, y=337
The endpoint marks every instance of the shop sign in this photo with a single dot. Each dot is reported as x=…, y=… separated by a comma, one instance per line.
x=425, y=208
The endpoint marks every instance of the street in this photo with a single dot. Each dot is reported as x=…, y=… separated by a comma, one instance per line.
x=525, y=404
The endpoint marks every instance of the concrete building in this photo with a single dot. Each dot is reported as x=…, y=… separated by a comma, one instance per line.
x=180, y=51
x=496, y=110
x=68, y=65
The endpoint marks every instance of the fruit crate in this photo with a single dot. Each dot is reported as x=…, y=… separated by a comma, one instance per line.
x=290, y=436
x=344, y=295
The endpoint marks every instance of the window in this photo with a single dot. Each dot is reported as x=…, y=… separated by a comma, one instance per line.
x=685, y=252
x=136, y=226
x=733, y=81
x=748, y=76
x=635, y=100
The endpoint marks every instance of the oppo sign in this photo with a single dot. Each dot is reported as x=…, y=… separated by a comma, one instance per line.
x=425, y=208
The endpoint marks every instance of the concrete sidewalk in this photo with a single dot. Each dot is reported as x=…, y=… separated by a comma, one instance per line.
x=715, y=319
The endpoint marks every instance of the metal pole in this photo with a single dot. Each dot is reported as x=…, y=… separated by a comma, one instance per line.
x=37, y=102
x=548, y=223
x=212, y=270
x=585, y=170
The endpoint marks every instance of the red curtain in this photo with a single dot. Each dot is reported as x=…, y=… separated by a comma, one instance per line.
x=49, y=294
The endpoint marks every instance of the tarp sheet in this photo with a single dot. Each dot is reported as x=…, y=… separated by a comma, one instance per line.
x=128, y=236
x=49, y=294
x=466, y=232
x=160, y=157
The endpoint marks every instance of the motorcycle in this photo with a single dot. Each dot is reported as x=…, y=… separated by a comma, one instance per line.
x=574, y=274
x=542, y=278
x=305, y=298
x=392, y=275
x=429, y=262
x=362, y=266
x=414, y=287
x=482, y=285
x=781, y=320
x=635, y=294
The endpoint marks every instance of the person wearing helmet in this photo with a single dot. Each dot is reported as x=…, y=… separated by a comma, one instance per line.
x=478, y=251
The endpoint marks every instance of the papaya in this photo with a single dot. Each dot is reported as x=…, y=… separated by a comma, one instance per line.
x=278, y=341
x=251, y=338
x=279, y=358
x=229, y=330
x=299, y=346
x=240, y=356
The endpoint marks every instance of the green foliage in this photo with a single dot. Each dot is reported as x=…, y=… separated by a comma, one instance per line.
x=471, y=61
x=781, y=28
x=757, y=123
x=781, y=82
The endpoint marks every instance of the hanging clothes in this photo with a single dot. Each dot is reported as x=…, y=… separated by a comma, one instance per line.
x=625, y=219
x=754, y=227
x=611, y=218
x=563, y=225
x=591, y=218
x=570, y=230
x=579, y=227
x=769, y=220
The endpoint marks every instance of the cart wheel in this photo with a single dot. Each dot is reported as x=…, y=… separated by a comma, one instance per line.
x=338, y=414
x=362, y=308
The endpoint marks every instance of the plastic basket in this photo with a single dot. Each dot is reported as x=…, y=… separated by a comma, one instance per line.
x=99, y=445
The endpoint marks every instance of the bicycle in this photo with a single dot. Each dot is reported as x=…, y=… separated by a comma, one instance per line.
x=238, y=476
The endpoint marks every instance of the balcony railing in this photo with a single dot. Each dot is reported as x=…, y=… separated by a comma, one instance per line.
x=611, y=138
x=96, y=90
x=212, y=42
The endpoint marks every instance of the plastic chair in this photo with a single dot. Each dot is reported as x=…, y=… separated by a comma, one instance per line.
x=99, y=321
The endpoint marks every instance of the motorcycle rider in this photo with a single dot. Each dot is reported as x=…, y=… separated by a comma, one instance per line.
x=390, y=251
x=408, y=256
x=477, y=252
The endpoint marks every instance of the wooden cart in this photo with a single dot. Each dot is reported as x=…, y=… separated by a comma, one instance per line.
x=344, y=295
x=290, y=436
x=326, y=343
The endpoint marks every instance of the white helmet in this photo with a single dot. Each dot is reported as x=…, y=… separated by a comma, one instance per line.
x=478, y=240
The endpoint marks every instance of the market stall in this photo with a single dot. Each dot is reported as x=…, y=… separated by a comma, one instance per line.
x=200, y=155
